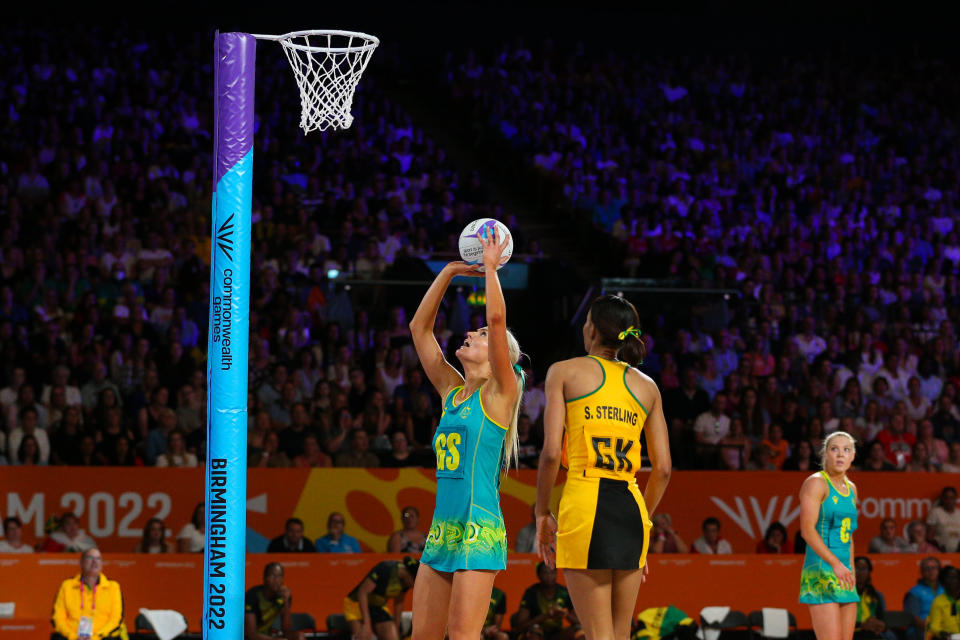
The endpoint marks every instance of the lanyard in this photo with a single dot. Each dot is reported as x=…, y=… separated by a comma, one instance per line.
x=93, y=603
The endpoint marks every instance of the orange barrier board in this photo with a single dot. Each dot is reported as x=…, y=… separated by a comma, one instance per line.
x=319, y=582
x=114, y=503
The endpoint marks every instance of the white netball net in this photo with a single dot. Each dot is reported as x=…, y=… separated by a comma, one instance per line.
x=327, y=66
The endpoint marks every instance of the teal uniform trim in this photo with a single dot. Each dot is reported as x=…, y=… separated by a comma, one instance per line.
x=836, y=523
x=467, y=532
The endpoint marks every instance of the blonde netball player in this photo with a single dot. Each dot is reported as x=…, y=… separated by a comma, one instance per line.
x=828, y=518
x=467, y=543
x=597, y=407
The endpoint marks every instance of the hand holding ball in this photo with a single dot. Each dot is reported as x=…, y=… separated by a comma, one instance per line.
x=479, y=235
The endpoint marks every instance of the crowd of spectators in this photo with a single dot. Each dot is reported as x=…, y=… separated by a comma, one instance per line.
x=819, y=193
x=802, y=192
x=105, y=192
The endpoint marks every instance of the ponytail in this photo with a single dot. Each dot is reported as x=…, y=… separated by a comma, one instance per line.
x=617, y=325
x=632, y=348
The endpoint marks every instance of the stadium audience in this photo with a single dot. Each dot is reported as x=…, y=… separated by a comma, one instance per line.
x=917, y=538
x=663, y=537
x=775, y=540
x=66, y=535
x=944, y=521
x=292, y=540
x=176, y=454
x=13, y=537
x=888, y=541
x=841, y=244
x=191, y=537
x=336, y=540
x=710, y=541
x=103, y=296
x=409, y=539
x=359, y=454
x=918, y=599
x=154, y=538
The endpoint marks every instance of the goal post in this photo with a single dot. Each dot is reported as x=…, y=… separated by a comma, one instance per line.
x=327, y=66
x=225, y=483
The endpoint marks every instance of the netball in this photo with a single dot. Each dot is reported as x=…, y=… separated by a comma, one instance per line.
x=471, y=249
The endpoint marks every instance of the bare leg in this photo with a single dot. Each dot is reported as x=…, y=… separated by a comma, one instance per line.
x=591, y=592
x=848, y=620
x=386, y=630
x=468, y=603
x=431, y=598
x=626, y=586
x=826, y=621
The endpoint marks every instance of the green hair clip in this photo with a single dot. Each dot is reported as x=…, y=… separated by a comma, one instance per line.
x=523, y=378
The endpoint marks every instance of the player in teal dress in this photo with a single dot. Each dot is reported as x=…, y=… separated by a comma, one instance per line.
x=467, y=543
x=828, y=518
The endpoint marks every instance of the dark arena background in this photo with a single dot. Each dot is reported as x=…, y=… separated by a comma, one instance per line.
x=774, y=188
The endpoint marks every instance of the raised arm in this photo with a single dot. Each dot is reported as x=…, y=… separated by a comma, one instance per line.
x=442, y=375
x=554, y=416
x=504, y=378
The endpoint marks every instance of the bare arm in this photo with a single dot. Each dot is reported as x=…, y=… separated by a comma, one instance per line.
x=657, y=546
x=286, y=620
x=812, y=494
x=658, y=448
x=856, y=500
x=504, y=378
x=366, y=587
x=554, y=415
x=398, y=611
x=682, y=547
x=395, y=542
x=442, y=376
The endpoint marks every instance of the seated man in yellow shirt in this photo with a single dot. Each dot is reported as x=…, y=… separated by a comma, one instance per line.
x=944, y=618
x=88, y=605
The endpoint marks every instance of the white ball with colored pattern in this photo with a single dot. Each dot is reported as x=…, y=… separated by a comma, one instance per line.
x=471, y=249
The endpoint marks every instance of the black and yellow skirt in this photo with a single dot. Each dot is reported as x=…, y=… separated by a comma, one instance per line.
x=603, y=524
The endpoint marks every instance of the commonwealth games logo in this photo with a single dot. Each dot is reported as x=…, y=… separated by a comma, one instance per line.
x=225, y=237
